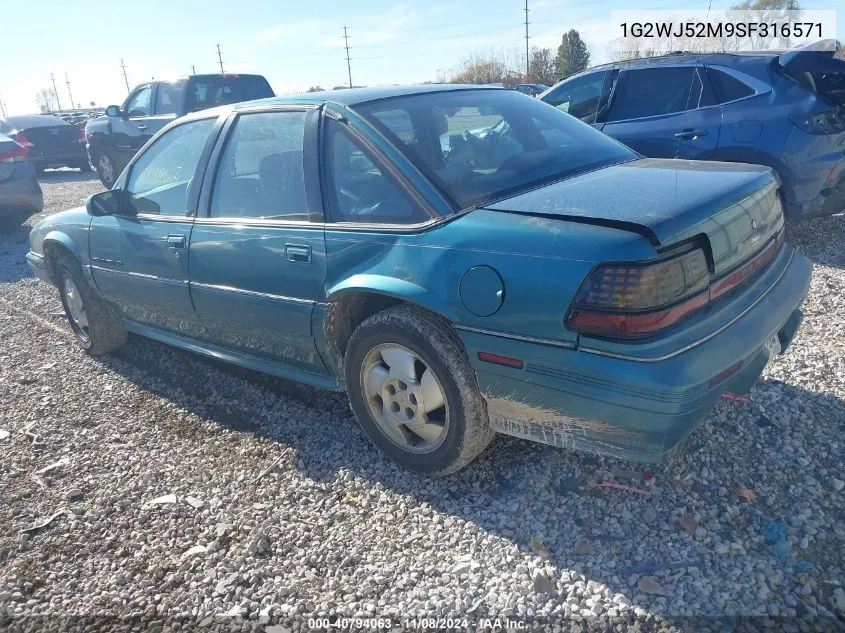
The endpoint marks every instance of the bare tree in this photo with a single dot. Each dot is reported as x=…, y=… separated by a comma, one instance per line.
x=492, y=68
x=542, y=66
x=45, y=99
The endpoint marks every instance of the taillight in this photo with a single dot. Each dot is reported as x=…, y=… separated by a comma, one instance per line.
x=15, y=155
x=828, y=122
x=634, y=300
x=82, y=137
x=20, y=139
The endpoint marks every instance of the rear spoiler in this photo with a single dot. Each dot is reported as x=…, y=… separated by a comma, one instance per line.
x=817, y=57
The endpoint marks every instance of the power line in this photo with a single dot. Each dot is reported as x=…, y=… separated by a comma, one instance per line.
x=220, y=59
x=69, y=92
x=56, y=92
x=348, y=63
x=125, y=78
x=527, y=58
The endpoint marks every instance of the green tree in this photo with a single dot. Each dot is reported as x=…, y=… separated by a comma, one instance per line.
x=572, y=55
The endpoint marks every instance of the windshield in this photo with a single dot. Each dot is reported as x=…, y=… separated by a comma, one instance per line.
x=480, y=145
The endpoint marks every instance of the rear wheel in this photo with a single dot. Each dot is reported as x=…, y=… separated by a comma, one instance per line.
x=106, y=164
x=414, y=393
x=95, y=328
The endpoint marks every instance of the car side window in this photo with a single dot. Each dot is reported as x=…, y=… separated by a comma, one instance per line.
x=579, y=97
x=728, y=88
x=139, y=103
x=648, y=92
x=169, y=97
x=160, y=178
x=261, y=173
x=360, y=190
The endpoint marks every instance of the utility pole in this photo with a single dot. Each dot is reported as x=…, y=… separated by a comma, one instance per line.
x=193, y=69
x=69, y=92
x=3, y=109
x=348, y=65
x=56, y=92
x=527, y=57
x=220, y=59
x=125, y=78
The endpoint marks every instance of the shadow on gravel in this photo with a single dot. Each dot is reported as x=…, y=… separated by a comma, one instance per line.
x=13, y=248
x=822, y=240
x=547, y=502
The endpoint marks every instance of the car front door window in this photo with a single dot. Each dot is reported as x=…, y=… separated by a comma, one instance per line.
x=160, y=178
x=140, y=102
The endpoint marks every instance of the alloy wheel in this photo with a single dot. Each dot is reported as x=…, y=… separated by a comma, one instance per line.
x=76, y=310
x=404, y=398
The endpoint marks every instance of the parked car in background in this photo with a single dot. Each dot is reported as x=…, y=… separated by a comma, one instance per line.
x=541, y=280
x=114, y=138
x=20, y=193
x=782, y=109
x=532, y=90
x=49, y=141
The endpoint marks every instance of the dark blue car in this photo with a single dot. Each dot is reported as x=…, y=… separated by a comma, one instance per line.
x=774, y=108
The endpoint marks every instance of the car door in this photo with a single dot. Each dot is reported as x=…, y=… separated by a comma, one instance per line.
x=132, y=130
x=257, y=257
x=139, y=259
x=648, y=107
x=699, y=135
x=168, y=103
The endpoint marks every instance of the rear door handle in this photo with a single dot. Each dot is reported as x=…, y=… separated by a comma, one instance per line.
x=176, y=241
x=299, y=254
x=690, y=134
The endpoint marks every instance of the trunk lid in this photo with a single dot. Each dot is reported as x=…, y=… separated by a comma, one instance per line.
x=53, y=140
x=736, y=206
x=815, y=67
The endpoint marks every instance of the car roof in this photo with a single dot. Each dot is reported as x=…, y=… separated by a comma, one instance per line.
x=28, y=121
x=357, y=96
x=682, y=57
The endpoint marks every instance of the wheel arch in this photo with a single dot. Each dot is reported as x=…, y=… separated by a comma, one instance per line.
x=54, y=246
x=361, y=296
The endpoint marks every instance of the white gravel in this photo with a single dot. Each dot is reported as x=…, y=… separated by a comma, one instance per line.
x=183, y=494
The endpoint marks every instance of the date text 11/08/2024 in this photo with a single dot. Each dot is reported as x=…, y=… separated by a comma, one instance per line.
x=415, y=624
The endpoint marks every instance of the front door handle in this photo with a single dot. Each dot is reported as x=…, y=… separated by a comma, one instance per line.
x=176, y=242
x=142, y=127
x=690, y=135
x=299, y=254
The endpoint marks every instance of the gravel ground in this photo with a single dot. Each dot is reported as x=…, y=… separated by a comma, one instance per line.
x=185, y=493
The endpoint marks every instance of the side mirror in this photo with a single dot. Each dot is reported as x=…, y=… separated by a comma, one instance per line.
x=113, y=111
x=114, y=202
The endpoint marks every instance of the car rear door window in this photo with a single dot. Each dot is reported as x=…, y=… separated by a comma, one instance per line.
x=646, y=92
x=140, y=102
x=728, y=88
x=579, y=97
x=160, y=178
x=261, y=173
x=169, y=97
x=360, y=189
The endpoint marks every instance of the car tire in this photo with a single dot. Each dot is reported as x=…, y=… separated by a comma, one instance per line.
x=94, y=326
x=385, y=365
x=105, y=162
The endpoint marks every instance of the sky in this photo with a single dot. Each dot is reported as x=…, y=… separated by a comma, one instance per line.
x=295, y=44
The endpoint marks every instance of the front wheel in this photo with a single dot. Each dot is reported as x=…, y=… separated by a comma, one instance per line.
x=414, y=393
x=95, y=328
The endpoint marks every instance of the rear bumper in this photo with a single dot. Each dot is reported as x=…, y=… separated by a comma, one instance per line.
x=69, y=159
x=20, y=195
x=630, y=408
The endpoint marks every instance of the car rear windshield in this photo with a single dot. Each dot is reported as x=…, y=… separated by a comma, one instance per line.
x=480, y=145
x=28, y=122
x=214, y=90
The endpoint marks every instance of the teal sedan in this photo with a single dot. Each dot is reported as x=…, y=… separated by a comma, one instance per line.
x=462, y=261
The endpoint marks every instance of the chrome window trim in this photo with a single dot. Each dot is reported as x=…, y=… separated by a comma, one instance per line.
x=326, y=226
x=252, y=293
